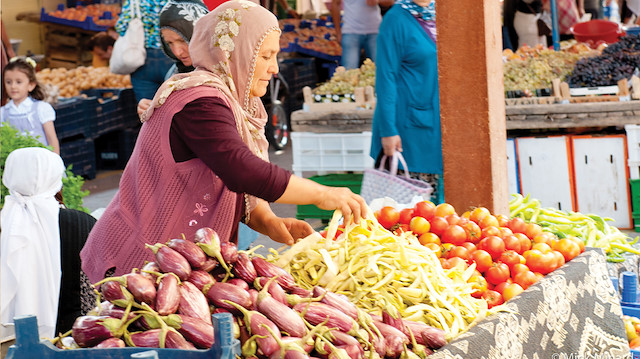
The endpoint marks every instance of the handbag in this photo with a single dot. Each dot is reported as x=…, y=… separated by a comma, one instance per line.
x=380, y=183
x=543, y=28
x=129, y=52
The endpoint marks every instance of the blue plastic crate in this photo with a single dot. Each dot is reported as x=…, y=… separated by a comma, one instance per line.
x=28, y=345
x=115, y=110
x=71, y=118
x=81, y=155
x=632, y=312
x=87, y=24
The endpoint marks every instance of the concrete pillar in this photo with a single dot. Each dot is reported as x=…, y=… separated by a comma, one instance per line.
x=472, y=104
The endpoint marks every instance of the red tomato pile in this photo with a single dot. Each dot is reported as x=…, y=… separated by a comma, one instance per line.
x=510, y=254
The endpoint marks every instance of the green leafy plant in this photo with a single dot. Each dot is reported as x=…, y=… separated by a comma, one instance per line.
x=12, y=139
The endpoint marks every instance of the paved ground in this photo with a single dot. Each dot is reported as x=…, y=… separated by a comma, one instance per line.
x=105, y=185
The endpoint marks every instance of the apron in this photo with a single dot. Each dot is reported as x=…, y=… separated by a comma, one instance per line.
x=29, y=123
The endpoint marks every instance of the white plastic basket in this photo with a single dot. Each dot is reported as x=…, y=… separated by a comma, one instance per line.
x=323, y=152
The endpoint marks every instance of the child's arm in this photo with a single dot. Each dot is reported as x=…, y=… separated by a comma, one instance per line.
x=52, y=138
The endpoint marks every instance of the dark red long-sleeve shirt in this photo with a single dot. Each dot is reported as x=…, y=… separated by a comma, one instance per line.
x=206, y=129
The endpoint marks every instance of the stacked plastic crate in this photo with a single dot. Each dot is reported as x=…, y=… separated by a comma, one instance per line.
x=633, y=149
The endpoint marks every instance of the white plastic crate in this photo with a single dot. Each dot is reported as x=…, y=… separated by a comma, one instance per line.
x=634, y=169
x=322, y=152
x=633, y=143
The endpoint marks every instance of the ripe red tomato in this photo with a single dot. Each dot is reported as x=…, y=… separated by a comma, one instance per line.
x=388, y=217
x=479, y=283
x=438, y=225
x=401, y=228
x=405, y=215
x=505, y=231
x=525, y=278
x=544, y=237
x=532, y=230
x=492, y=244
x=512, y=243
x=540, y=262
x=453, y=262
x=478, y=213
x=444, y=209
x=490, y=231
x=525, y=242
x=518, y=268
x=517, y=225
x=419, y=225
x=482, y=259
x=511, y=290
x=460, y=252
x=489, y=220
x=429, y=237
x=424, y=209
x=454, y=234
x=568, y=248
x=473, y=231
x=452, y=218
x=510, y=258
x=497, y=273
x=469, y=246
x=493, y=298
x=502, y=220
x=500, y=287
x=559, y=259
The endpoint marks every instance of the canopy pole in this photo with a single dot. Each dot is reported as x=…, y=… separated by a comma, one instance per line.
x=555, y=36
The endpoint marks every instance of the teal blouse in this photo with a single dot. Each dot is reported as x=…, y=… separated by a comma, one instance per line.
x=150, y=10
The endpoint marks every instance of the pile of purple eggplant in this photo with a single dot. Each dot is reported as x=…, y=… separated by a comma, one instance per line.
x=168, y=303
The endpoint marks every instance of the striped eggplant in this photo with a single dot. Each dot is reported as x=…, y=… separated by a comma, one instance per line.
x=220, y=293
x=168, y=296
x=150, y=270
x=239, y=282
x=253, y=293
x=267, y=269
x=229, y=252
x=111, y=343
x=287, y=319
x=299, y=291
x=200, y=278
x=243, y=268
x=88, y=331
x=316, y=313
x=142, y=288
x=158, y=338
x=107, y=308
x=209, y=241
x=115, y=292
x=66, y=343
x=209, y=264
x=268, y=334
x=170, y=261
x=194, y=330
x=189, y=250
x=193, y=303
x=336, y=300
x=425, y=334
x=275, y=289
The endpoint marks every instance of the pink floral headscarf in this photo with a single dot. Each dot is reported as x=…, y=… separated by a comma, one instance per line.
x=223, y=49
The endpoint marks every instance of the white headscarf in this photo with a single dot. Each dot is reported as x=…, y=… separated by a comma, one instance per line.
x=30, y=268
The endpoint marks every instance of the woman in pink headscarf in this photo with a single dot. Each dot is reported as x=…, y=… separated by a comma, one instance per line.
x=201, y=158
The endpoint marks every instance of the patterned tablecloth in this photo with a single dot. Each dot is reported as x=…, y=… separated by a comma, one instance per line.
x=572, y=313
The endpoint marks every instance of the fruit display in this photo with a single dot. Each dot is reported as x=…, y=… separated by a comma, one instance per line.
x=96, y=11
x=312, y=35
x=70, y=82
x=632, y=328
x=618, y=61
x=345, y=81
x=168, y=303
x=590, y=229
x=534, y=68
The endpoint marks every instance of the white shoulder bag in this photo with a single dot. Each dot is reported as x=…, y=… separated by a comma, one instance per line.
x=129, y=52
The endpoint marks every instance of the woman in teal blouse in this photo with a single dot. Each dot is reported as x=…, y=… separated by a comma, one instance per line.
x=147, y=79
x=407, y=114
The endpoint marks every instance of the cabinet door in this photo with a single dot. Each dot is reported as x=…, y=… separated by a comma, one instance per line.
x=601, y=178
x=512, y=168
x=545, y=170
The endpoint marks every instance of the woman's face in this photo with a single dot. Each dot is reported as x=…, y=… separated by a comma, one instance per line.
x=178, y=45
x=266, y=64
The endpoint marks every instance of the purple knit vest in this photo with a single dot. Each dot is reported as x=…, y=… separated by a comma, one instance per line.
x=158, y=198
